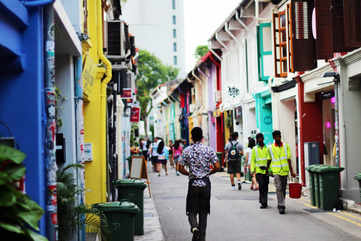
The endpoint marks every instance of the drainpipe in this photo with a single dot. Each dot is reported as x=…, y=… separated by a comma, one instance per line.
x=104, y=84
x=220, y=42
x=79, y=130
x=50, y=103
x=226, y=28
x=238, y=15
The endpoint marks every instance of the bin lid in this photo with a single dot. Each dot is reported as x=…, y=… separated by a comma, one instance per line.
x=124, y=206
x=312, y=168
x=130, y=182
x=328, y=169
x=358, y=176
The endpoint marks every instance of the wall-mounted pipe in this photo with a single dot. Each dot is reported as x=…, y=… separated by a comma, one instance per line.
x=220, y=41
x=38, y=3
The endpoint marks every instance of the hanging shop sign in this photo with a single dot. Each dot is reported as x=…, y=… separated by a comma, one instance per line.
x=135, y=114
x=127, y=93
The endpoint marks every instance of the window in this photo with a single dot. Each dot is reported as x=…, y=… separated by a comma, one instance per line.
x=280, y=46
x=173, y=4
x=175, y=47
x=174, y=19
x=174, y=33
x=264, y=40
x=175, y=60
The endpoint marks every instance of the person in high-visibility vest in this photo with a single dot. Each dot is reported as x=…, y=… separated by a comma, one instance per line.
x=280, y=165
x=259, y=167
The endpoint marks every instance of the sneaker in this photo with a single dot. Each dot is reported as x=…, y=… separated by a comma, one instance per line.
x=282, y=210
x=158, y=174
x=239, y=186
x=233, y=188
x=177, y=173
x=263, y=206
x=196, y=234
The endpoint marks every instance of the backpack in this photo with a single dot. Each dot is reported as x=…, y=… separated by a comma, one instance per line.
x=233, y=154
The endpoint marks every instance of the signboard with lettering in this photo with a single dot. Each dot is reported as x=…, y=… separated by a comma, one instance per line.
x=135, y=114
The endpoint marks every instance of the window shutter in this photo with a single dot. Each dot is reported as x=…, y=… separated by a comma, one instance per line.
x=276, y=44
x=352, y=23
x=303, y=43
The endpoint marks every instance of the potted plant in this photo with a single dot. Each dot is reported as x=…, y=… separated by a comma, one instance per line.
x=19, y=215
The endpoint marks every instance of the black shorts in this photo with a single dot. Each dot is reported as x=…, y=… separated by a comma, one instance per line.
x=234, y=167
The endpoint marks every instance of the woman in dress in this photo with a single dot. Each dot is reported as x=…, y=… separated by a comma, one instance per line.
x=247, y=164
x=163, y=156
x=177, y=152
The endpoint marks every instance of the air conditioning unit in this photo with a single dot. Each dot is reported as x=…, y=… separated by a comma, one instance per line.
x=117, y=38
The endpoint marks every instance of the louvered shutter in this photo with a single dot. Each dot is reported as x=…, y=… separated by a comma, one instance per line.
x=352, y=23
x=303, y=43
x=276, y=44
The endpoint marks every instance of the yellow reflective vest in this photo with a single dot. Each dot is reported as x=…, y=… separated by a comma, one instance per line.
x=259, y=158
x=280, y=156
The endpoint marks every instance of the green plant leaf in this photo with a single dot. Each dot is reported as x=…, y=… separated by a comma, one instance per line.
x=36, y=237
x=9, y=153
x=31, y=217
x=4, y=178
x=11, y=228
x=7, y=196
x=16, y=172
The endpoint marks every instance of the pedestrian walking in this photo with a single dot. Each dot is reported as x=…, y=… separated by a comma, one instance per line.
x=198, y=158
x=259, y=167
x=177, y=152
x=280, y=165
x=143, y=147
x=153, y=153
x=247, y=165
x=170, y=149
x=234, y=152
x=162, y=160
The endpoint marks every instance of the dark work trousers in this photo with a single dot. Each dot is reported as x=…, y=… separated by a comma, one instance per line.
x=281, y=185
x=263, y=181
x=198, y=205
x=201, y=224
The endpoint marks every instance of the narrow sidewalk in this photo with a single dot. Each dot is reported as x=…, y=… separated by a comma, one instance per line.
x=152, y=228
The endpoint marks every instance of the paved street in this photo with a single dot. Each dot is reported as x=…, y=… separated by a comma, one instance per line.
x=235, y=215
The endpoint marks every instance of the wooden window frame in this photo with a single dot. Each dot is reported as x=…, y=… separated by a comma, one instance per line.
x=261, y=51
x=279, y=46
x=291, y=67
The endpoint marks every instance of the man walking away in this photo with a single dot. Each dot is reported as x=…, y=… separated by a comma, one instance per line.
x=234, y=152
x=198, y=158
x=280, y=165
x=259, y=166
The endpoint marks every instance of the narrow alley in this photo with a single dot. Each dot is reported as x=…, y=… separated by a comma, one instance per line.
x=235, y=215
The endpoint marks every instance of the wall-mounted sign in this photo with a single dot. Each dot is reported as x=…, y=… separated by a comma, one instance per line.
x=126, y=93
x=135, y=114
x=88, y=152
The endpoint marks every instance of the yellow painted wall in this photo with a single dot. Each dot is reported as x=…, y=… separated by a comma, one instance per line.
x=227, y=130
x=95, y=79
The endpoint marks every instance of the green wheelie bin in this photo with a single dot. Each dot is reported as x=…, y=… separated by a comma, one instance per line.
x=133, y=191
x=329, y=182
x=120, y=220
x=314, y=185
x=358, y=178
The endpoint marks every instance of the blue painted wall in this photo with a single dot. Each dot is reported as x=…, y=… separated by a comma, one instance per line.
x=21, y=90
x=264, y=115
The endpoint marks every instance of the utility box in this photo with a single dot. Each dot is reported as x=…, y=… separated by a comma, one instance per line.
x=312, y=156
